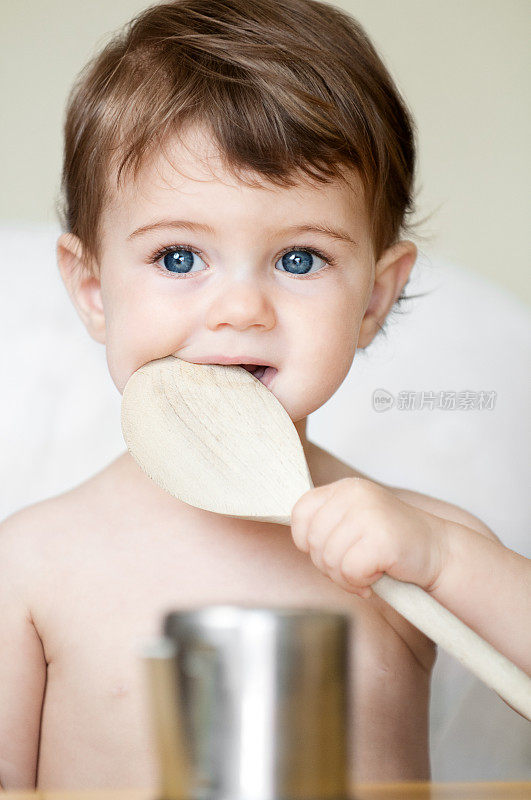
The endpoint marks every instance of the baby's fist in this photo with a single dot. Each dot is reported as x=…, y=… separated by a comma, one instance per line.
x=356, y=530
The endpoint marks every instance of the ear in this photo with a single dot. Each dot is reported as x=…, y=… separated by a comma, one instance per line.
x=391, y=274
x=81, y=284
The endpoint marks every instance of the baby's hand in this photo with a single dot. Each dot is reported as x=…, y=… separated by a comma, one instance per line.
x=355, y=530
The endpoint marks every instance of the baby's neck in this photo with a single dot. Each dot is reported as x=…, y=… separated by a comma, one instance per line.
x=165, y=509
x=300, y=427
x=128, y=473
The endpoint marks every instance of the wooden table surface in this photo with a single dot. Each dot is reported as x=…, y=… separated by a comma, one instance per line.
x=373, y=791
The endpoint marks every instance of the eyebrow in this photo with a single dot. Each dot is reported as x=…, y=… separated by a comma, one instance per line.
x=327, y=230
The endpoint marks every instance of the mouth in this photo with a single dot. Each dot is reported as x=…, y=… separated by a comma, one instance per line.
x=265, y=373
x=262, y=372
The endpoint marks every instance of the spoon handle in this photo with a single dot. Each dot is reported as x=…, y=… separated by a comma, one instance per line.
x=445, y=629
x=453, y=635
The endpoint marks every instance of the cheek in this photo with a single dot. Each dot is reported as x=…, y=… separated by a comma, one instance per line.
x=333, y=325
x=322, y=343
x=140, y=327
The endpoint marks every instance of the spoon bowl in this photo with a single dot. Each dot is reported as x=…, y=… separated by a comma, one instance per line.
x=216, y=438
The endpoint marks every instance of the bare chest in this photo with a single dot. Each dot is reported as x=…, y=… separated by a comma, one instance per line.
x=117, y=587
x=108, y=595
x=106, y=599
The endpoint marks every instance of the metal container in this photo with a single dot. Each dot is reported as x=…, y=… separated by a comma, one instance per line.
x=252, y=703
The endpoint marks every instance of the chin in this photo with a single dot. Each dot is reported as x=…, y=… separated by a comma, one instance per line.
x=297, y=403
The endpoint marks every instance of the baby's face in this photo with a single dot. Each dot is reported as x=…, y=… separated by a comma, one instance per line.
x=239, y=280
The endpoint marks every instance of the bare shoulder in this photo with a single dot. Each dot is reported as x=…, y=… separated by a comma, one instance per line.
x=31, y=533
x=442, y=508
x=15, y=552
x=327, y=468
x=21, y=530
x=26, y=554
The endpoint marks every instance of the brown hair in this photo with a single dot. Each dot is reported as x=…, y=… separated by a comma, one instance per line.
x=282, y=85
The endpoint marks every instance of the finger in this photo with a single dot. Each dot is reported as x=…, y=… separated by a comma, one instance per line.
x=361, y=565
x=304, y=510
x=325, y=522
x=342, y=539
x=344, y=536
x=349, y=587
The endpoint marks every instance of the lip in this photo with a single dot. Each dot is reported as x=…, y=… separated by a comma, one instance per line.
x=224, y=360
x=267, y=378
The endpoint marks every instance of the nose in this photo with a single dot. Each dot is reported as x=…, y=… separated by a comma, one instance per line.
x=241, y=304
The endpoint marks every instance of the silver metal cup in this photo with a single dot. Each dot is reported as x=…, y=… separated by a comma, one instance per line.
x=252, y=703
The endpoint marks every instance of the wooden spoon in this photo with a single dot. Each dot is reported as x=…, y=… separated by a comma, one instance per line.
x=216, y=438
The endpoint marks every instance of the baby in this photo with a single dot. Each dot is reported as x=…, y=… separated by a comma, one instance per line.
x=237, y=175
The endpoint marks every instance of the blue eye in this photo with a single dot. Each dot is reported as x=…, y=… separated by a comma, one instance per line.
x=299, y=262
x=179, y=260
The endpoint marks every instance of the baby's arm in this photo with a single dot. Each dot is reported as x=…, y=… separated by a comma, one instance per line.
x=488, y=586
x=481, y=581
x=22, y=662
x=355, y=530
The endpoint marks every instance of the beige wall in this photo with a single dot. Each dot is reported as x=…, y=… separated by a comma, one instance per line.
x=463, y=67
